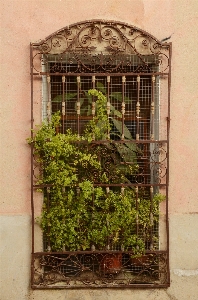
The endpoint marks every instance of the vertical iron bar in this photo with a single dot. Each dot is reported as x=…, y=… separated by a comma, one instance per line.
x=138, y=109
x=66, y=103
x=152, y=108
x=92, y=219
x=151, y=218
x=93, y=111
x=32, y=146
x=137, y=217
x=93, y=82
x=123, y=104
x=167, y=180
x=48, y=227
x=49, y=98
x=108, y=103
x=78, y=105
x=63, y=104
x=108, y=87
x=107, y=221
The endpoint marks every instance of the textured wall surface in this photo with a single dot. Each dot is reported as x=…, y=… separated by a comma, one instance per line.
x=25, y=21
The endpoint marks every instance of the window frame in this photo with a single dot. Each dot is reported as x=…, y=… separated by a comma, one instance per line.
x=51, y=46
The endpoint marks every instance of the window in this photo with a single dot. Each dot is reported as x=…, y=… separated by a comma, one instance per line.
x=108, y=84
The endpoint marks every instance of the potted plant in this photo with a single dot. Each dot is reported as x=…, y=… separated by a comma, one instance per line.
x=83, y=208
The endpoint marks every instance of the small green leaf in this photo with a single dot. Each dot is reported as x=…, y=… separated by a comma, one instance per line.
x=100, y=87
x=67, y=97
x=117, y=113
x=118, y=125
x=118, y=97
x=89, y=97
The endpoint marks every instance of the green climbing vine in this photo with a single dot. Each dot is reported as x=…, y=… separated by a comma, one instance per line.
x=78, y=211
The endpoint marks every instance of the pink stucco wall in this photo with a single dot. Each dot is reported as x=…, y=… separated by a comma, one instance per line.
x=25, y=21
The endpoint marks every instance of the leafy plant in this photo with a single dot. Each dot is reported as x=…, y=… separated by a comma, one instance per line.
x=78, y=210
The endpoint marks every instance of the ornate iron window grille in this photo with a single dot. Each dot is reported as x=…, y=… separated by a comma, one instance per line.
x=115, y=58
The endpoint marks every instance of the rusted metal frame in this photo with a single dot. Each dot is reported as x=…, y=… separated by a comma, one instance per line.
x=83, y=117
x=126, y=141
x=37, y=254
x=32, y=146
x=112, y=184
x=32, y=162
x=168, y=149
x=146, y=286
x=69, y=74
x=138, y=142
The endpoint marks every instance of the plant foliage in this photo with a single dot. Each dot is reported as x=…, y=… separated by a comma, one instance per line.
x=78, y=211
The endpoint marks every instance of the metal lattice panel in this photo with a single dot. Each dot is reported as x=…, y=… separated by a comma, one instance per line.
x=132, y=68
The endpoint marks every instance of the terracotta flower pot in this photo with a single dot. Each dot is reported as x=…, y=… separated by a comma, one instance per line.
x=111, y=263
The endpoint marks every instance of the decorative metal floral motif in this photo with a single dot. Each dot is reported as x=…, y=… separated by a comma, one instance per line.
x=99, y=269
x=101, y=46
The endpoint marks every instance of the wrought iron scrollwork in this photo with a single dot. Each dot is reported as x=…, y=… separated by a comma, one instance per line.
x=95, y=54
x=101, y=46
x=99, y=269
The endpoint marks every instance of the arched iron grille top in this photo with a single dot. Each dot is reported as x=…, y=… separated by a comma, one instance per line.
x=109, y=45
